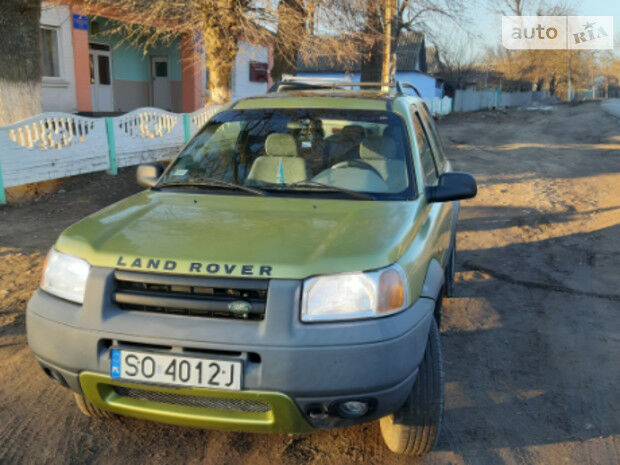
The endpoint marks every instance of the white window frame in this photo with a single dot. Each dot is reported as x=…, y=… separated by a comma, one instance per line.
x=55, y=81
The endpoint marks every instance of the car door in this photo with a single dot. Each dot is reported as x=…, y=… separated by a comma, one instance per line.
x=438, y=214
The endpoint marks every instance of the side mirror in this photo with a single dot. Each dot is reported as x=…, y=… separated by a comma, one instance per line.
x=148, y=175
x=452, y=186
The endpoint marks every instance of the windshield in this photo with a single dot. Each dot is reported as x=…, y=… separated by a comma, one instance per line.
x=314, y=152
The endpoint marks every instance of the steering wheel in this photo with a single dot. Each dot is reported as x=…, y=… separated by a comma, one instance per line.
x=356, y=163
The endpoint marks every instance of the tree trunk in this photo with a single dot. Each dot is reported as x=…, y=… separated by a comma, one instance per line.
x=292, y=18
x=220, y=58
x=372, y=56
x=20, y=60
x=387, y=42
x=552, y=83
x=223, y=27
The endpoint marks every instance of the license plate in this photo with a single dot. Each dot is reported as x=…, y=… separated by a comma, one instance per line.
x=175, y=370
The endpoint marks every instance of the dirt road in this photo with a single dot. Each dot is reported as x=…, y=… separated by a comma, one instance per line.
x=531, y=341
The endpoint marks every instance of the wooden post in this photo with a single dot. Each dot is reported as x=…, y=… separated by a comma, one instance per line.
x=109, y=125
x=387, y=45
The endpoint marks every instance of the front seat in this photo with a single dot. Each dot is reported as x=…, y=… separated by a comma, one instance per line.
x=344, y=145
x=281, y=163
x=384, y=155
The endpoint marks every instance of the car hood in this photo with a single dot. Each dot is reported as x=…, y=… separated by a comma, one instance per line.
x=242, y=236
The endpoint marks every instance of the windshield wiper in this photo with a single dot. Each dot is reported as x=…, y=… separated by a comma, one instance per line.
x=327, y=187
x=211, y=182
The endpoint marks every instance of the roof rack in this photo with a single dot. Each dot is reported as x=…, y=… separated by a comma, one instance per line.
x=290, y=83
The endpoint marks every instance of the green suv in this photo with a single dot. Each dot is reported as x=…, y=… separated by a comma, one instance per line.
x=283, y=274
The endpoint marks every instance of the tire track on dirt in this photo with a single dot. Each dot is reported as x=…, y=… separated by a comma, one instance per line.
x=470, y=266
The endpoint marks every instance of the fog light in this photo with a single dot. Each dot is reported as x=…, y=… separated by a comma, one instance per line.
x=352, y=409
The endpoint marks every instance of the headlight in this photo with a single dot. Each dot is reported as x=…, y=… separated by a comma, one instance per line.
x=65, y=276
x=349, y=296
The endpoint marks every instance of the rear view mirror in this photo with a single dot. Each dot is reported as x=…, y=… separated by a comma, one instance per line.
x=452, y=186
x=148, y=175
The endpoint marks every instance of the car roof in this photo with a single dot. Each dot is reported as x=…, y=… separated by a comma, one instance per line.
x=324, y=98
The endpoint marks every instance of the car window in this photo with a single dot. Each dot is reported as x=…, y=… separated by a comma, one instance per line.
x=438, y=149
x=429, y=170
x=297, y=149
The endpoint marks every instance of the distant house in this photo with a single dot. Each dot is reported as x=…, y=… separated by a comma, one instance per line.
x=87, y=70
x=410, y=67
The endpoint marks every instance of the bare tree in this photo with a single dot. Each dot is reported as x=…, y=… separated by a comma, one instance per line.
x=292, y=18
x=554, y=70
x=457, y=57
x=510, y=7
x=409, y=15
x=222, y=23
x=20, y=60
x=218, y=25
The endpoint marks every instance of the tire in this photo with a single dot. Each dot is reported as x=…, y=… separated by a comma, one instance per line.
x=438, y=307
x=414, y=428
x=88, y=409
x=448, y=287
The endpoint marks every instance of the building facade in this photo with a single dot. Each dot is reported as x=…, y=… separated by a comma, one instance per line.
x=88, y=69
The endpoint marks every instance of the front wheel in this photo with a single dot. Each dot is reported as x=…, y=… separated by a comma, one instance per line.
x=448, y=288
x=414, y=428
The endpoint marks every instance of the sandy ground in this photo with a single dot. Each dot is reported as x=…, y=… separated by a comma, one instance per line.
x=531, y=340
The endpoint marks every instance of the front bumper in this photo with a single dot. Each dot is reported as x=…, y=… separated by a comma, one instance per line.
x=281, y=415
x=311, y=365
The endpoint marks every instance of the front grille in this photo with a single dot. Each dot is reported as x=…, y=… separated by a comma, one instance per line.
x=191, y=296
x=239, y=405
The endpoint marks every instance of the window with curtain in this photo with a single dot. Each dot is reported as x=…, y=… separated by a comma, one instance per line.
x=50, y=66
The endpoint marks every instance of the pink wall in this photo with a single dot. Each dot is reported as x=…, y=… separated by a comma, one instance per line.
x=82, y=69
x=191, y=74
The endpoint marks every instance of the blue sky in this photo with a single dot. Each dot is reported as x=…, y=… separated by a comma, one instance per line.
x=488, y=24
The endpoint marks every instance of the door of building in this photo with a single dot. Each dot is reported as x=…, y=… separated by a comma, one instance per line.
x=161, y=82
x=101, y=77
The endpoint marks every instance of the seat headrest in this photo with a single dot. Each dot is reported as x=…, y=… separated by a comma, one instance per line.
x=379, y=147
x=281, y=145
x=352, y=132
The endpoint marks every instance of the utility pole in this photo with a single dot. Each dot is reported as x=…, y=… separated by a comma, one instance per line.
x=387, y=44
x=570, y=93
x=311, y=7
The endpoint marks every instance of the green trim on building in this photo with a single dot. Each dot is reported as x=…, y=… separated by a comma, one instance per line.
x=129, y=62
x=283, y=417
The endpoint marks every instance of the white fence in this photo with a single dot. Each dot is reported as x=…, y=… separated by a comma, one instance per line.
x=439, y=106
x=55, y=145
x=472, y=100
